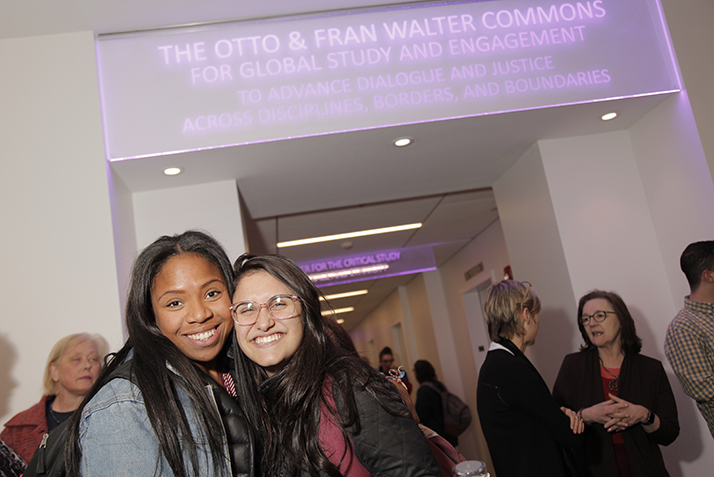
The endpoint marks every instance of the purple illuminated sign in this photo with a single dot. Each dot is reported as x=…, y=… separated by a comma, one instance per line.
x=354, y=268
x=246, y=82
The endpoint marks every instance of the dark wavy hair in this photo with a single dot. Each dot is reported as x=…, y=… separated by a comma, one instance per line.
x=424, y=371
x=696, y=258
x=284, y=409
x=153, y=351
x=631, y=343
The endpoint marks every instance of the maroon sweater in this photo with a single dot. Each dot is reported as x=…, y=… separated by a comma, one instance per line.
x=23, y=433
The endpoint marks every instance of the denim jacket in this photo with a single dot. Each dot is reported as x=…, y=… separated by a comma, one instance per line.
x=116, y=436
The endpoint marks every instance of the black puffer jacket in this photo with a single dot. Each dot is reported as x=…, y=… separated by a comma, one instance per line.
x=389, y=445
x=385, y=444
x=238, y=434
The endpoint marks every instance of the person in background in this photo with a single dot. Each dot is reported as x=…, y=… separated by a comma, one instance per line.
x=623, y=397
x=318, y=409
x=689, y=345
x=72, y=368
x=386, y=364
x=428, y=400
x=525, y=429
x=174, y=415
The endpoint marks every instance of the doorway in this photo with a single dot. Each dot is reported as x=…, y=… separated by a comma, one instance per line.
x=475, y=319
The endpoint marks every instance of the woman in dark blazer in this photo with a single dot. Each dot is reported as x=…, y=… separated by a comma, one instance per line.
x=525, y=429
x=623, y=397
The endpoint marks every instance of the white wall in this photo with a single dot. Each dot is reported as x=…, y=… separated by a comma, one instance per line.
x=534, y=245
x=606, y=228
x=614, y=211
x=212, y=208
x=680, y=196
x=376, y=328
x=58, y=270
x=125, y=251
x=676, y=183
x=690, y=25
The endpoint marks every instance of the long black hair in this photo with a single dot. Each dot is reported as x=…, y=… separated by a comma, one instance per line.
x=287, y=404
x=630, y=342
x=153, y=352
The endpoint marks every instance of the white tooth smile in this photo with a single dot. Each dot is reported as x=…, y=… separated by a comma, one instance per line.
x=268, y=339
x=203, y=336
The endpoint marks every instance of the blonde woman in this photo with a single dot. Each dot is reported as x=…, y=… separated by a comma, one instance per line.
x=525, y=429
x=72, y=368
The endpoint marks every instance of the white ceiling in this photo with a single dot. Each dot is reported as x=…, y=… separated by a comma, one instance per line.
x=341, y=182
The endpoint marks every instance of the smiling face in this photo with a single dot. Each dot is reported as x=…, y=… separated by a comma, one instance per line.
x=270, y=343
x=77, y=369
x=606, y=333
x=191, y=305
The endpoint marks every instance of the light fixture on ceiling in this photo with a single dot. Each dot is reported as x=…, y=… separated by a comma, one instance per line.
x=361, y=233
x=172, y=171
x=609, y=116
x=340, y=321
x=344, y=295
x=403, y=141
x=346, y=309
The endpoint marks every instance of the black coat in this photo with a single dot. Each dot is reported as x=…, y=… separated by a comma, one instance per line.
x=239, y=436
x=642, y=381
x=430, y=409
x=389, y=445
x=524, y=427
x=386, y=445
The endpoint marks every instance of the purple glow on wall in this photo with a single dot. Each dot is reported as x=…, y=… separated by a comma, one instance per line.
x=239, y=83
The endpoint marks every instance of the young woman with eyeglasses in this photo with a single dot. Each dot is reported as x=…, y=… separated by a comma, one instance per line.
x=317, y=408
x=172, y=414
x=623, y=397
x=527, y=433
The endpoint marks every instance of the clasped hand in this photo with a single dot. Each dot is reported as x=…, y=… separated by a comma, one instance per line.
x=615, y=414
x=576, y=423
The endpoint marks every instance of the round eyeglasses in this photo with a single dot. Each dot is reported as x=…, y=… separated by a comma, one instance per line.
x=598, y=316
x=280, y=307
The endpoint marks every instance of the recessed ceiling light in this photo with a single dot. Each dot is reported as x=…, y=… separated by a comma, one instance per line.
x=403, y=141
x=360, y=233
x=340, y=321
x=172, y=171
x=609, y=116
x=344, y=295
x=338, y=310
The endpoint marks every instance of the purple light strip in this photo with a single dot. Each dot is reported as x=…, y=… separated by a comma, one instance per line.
x=668, y=39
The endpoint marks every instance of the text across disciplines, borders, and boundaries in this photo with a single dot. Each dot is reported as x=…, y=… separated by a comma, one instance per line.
x=248, y=82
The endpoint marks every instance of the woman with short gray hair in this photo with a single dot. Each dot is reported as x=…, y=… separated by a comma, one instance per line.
x=526, y=432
